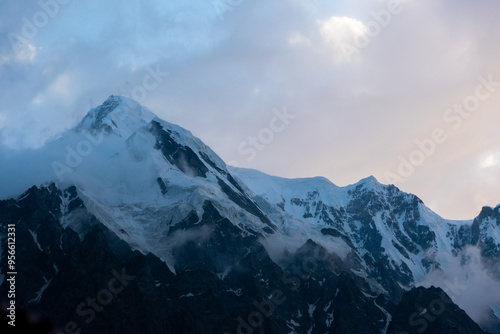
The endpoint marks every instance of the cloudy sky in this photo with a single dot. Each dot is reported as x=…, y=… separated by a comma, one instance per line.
x=407, y=91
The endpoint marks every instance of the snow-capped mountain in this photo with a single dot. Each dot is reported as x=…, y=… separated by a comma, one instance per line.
x=383, y=225
x=151, y=175
x=230, y=249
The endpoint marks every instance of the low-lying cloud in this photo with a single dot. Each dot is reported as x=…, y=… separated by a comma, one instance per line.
x=470, y=284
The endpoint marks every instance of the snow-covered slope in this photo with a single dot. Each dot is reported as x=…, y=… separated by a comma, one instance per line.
x=384, y=227
x=141, y=176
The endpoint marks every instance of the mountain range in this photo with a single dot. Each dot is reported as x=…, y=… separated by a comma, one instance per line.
x=134, y=225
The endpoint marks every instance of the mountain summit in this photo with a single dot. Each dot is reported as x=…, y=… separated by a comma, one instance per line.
x=118, y=115
x=199, y=246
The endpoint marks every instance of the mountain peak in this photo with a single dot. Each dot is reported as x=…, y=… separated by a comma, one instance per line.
x=118, y=114
x=369, y=181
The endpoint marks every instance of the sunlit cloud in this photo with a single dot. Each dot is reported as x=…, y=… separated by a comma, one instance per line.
x=338, y=32
x=490, y=160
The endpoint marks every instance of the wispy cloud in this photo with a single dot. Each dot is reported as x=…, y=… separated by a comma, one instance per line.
x=470, y=283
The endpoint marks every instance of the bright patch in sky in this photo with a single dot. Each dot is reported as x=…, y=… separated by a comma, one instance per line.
x=490, y=161
x=336, y=30
x=340, y=32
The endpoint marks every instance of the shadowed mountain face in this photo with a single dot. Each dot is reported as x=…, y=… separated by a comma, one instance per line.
x=430, y=311
x=151, y=232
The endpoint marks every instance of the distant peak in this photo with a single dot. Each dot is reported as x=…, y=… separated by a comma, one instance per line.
x=118, y=114
x=369, y=180
x=489, y=211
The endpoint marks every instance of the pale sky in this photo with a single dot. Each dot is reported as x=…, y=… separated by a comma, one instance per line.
x=407, y=91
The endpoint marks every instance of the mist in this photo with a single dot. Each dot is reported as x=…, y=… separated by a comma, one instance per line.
x=471, y=285
x=22, y=169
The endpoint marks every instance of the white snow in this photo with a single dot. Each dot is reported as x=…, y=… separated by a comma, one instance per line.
x=20, y=198
x=491, y=229
x=387, y=315
x=35, y=239
x=275, y=189
x=310, y=309
x=367, y=295
x=127, y=117
x=40, y=292
x=237, y=292
x=223, y=275
x=329, y=319
x=327, y=306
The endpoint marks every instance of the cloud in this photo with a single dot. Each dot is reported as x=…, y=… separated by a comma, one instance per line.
x=23, y=53
x=198, y=234
x=339, y=33
x=490, y=160
x=470, y=283
x=22, y=170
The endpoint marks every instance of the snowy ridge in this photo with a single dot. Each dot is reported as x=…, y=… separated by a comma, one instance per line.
x=277, y=189
x=413, y=237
